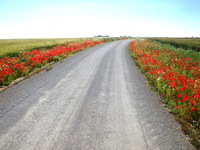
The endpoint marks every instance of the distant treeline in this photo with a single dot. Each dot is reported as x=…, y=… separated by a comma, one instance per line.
x=102, y=36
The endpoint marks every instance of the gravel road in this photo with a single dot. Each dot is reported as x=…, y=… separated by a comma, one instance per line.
x=95, y=99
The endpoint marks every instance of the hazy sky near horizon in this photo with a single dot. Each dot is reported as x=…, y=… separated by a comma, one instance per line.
x=76, y=18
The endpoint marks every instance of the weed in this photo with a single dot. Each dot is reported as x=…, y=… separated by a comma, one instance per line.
x=49, y=67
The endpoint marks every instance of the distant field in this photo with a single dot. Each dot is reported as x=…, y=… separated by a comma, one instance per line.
x=186, y=43
x=11, y=47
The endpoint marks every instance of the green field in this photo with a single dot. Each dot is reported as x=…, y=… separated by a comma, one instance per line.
x=12, y=47
x=185, y=43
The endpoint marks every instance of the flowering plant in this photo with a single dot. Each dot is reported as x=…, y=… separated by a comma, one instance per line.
x=175, y=75
x=14, y=67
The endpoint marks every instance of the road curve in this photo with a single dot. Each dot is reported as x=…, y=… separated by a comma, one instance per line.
x=96, y=99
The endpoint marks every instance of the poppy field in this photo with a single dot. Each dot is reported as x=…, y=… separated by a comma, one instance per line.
x=12, y=47
x=175, y=74
x=15, y=45
x=12, y=68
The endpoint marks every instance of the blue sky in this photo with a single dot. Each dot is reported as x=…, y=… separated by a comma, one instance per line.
x=76, y=18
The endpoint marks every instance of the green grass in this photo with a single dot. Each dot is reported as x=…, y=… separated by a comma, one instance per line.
x=186, y=43
x=12, y=47
x=193, y=54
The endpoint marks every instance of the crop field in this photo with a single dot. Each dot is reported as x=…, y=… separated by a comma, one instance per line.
x=185, y=43
x=175, y=74
x=12, y=47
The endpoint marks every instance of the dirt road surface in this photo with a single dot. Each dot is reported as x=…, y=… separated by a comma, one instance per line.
x=95, y=99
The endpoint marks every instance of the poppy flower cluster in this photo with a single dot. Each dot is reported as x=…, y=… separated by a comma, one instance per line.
x=174, y=74
x=14, y=67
